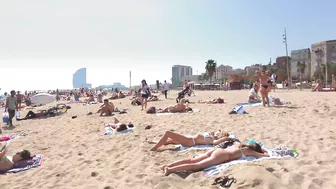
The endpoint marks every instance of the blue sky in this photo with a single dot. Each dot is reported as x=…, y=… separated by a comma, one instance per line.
x=46, y=41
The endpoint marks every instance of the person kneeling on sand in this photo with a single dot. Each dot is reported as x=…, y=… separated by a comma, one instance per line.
x=212, y=138
x=253, y=95
x=214, y=157
x=213, y=101
x=106, y=109
x=7, y=162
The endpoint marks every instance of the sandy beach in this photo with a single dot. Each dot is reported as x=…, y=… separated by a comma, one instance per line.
x=77, y=154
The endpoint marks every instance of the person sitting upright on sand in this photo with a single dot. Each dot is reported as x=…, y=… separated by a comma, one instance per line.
x=106, y=109
x=253, y=95
x=318, y=86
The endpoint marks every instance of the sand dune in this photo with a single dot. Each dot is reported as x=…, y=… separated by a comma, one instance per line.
x=78, y=155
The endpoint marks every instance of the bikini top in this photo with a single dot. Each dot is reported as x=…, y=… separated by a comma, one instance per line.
x=207, y=135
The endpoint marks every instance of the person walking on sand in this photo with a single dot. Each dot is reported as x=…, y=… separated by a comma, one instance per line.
x=11, y=106
x=165, y=88
x=145, y=93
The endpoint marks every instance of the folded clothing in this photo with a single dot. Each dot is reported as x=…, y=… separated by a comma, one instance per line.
x=35, y=161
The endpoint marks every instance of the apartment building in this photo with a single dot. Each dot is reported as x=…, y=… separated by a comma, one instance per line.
x=322, y=52
x=300, y=56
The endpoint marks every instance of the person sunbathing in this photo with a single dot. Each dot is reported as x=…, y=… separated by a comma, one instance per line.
x=253, y=95
x=32, y=115
x=179, y=107
x=153, y=98
x=214, y=157
x=213, y=101
x=7, y=162
x=118, y=126
x=106, y=109
x=212, y=138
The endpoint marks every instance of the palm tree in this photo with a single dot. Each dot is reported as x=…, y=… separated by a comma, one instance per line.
x=210, y=67
x=301, y=67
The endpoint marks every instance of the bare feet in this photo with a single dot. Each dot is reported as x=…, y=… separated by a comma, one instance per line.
x=153, y=149
x=167, y=171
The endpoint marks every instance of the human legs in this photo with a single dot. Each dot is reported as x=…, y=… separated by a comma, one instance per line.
x=179, y=139
x=189, y=160
x=11, y=114
x=209, y=161
x=165, y=93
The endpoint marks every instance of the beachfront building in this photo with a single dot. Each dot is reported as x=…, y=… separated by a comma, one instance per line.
x=250, y=70
x=222, y=72
x=321, y=53
x=179, y=71
x=300, y=56
x=79, y=79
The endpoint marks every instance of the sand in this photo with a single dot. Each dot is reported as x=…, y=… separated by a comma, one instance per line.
x=78, y=155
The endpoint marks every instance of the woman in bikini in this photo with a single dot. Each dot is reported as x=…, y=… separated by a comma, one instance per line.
x=265, y=86
x=215, y=157
x=212, y=138
x=7, y=162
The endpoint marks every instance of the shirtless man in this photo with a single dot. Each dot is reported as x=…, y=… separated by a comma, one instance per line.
x=107, y=108
x=213, y=101
x=265, y=86
x=179, y=107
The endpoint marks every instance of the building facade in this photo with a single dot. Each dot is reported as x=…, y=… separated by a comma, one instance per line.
x=250, y=70
x=79, y=79
x=300, y=56
x=321, y=53
x=179, y=71
x=280, y=62
x=222, y=72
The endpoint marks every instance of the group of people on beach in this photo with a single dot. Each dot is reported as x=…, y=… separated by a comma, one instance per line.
x=225, y=149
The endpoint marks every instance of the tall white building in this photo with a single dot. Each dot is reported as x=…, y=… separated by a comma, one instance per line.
x=179, y=71
x=300, y=56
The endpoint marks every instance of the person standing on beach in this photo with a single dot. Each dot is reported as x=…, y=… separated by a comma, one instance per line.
x=165, y=88
x=145, y=93
x=11, y=106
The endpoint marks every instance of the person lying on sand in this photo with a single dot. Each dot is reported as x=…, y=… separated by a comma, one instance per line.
x=253, y=95
x=214, y=157
x=179, y=107
x=106, y=109
x=153, y=98
x=7, y=162
x=118, y=126
x=213, y=101
x=40, y=114
x=212, y=138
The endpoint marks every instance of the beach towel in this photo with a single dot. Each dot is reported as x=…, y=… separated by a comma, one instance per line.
x=255, y=104
x=110, y=131
x=169, y=113
x=275, y=153
x=35, y=161
x=202, y=147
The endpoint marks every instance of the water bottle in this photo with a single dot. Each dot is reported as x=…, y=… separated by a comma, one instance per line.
x=5, y=117
x=17, y=114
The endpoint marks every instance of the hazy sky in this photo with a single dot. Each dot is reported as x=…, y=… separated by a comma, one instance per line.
x=43, y=42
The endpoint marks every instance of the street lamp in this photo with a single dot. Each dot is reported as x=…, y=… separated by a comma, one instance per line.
x=287, y=59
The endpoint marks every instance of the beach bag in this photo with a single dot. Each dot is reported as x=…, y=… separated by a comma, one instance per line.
x=5, y=117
